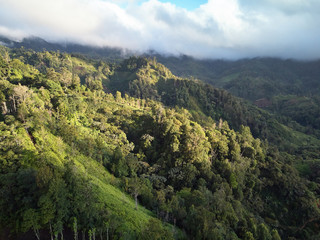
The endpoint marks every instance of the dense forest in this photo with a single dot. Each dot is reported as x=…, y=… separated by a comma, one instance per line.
x=287, y=88
x=96, y=149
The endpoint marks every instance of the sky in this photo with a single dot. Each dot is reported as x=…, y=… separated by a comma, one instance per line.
x=217, y=29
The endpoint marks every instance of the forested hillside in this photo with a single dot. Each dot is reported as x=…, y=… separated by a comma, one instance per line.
x=144, y=78
x=130, y=151
x=286, y=88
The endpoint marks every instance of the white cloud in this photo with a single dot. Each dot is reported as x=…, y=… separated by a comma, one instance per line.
x=217, y=29
x=12, y=33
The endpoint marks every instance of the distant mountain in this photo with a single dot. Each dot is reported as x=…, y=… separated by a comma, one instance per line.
x=39, y=44
x=289, y=89
x=146, y=78
x=251, y=79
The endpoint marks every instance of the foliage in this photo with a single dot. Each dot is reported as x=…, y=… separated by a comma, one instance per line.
x=72, y=153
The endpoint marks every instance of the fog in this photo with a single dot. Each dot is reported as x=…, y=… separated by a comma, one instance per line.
x=229, y=29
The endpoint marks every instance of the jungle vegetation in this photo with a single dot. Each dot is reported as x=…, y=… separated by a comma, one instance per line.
x=94, y=149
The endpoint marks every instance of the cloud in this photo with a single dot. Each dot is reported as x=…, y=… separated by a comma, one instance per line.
x=217, y=29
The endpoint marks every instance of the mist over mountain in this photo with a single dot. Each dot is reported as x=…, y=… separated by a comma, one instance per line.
x=228, y=29
x=155, y=119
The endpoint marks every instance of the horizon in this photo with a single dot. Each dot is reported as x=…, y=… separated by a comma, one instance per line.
x=150, y=52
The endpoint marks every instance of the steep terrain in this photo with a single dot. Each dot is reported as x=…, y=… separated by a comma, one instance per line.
x=288, y=89
x=79, y=136
x=144, y=78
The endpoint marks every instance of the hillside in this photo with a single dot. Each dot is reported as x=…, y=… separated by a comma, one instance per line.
x=74, y=148
x=289, y=89
x=143, y=78
x=286, y=88
x=39, y=44
x=53, y=153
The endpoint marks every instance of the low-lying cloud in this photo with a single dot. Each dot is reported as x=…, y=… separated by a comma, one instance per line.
x=218, y=29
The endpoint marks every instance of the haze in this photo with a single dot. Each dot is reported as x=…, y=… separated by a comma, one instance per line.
x=229, y=29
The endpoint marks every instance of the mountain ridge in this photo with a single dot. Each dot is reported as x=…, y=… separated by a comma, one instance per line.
x=176, y=157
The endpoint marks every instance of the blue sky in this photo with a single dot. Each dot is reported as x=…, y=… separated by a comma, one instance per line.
x=229, y=29
x=187, y=4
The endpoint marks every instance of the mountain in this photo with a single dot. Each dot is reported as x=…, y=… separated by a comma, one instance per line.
x=39, y=44
x=144, y=78
x=56, y=146
x=251, y=79
x=94, y=148
x=287, y=88
x=285, y=92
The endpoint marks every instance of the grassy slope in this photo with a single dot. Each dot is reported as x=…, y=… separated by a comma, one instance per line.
x=115, y=200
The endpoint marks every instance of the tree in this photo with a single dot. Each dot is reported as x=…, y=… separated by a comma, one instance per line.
x=275, y=235
x=52, y=75
x=75, y=80
x=263, y=232
x=20, y=94
x=93, y=84
x=118, y=97
x=75, y=228
x=66, y=78
x=135, y=187
x=59, y=194
x=154, y=230
x=118, y=163
x=31, y=219
x=248, y=236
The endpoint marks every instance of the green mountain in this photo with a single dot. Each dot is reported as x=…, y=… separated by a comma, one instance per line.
x=39, y=44
x=143, y=78
x=287, y=88
x=130, y=151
